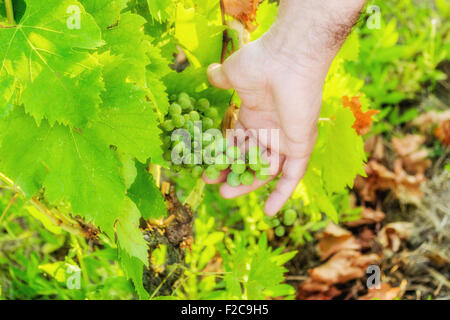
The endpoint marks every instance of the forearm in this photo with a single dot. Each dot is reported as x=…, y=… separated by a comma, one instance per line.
x=313, y=29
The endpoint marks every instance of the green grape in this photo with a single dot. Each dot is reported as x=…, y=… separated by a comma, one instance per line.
x=275, y=223
x=289, y=217
x=203, y=104
x=221, y=162
x=183, y=95
x=234, y=153
x=197, y=171
x=253, y=154
x=168, y=125
x=255, y=166
x=238, y=168
x=247, y=178
x=212, y=173
x=174, y=109
x=167, y=155
x=233, y=179
x=208, y=123
x=186, y=117
x=207, y=139
x=261, y=177
x=185, y=103
x=280, y=231
x=167, y=141
x=212, y=113
x=194, y=116
x=196, y=145
x=178, y=120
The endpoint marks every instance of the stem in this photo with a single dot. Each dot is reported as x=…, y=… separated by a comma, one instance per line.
x=196, y=196
x=10, y=12
x=7, y=207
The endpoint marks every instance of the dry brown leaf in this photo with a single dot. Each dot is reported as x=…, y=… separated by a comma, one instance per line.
x=363, y=120
x=368, y=216
x=344, y=266
x=313, y=290
x=443, y=133
x=334, y=239
x=242, y=10
x=414, y=159
x=406, y=145
x=374, y=147
x=405, y=187
x=391, y=235
x=426, y=122
x=385, y=292
x=366, y=238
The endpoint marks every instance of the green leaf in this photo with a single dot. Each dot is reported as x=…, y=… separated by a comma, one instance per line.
x=73, y=166
x=126, y=120
x=105, y=12
x=129, y=236
x=133, y=269
x=60, y=82
x=342, y=156
x=146, y=194
x=160, y=9
x=201, y=38
x=127, y=39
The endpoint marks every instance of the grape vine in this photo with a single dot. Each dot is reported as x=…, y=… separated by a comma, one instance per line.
x=89, y=106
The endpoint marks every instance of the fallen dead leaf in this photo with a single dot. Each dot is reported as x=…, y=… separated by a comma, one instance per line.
x=365, y=238
x=374, y=147
x=408, y=144
x=414, y=159
x=405, y=187
x=368, y=216
x=391, y=236
x=443, y=132
x=334, y=239
x=344, y=266
x=313, y=290
x=363, y=120
x=427, y=121
x=385, y=292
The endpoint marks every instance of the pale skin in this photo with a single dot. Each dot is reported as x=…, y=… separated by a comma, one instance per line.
x=280, y=79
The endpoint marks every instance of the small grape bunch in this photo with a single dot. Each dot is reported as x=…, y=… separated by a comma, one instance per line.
x=286, y=219
x=212, y=154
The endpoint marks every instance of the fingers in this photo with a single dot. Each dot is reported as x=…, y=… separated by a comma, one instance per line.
x=229, y=192
x=293, y=171
x=218, y=78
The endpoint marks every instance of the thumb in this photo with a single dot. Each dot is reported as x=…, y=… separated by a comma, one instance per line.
x=218, y=78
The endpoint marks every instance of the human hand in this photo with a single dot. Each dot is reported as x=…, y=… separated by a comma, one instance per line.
x=280, y=79
x=274, y=95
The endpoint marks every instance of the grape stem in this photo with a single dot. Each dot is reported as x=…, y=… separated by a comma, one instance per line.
x=10, y=12
x=196, y=196
x=60, y=221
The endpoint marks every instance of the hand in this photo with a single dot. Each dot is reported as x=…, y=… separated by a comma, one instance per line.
x=275, y=94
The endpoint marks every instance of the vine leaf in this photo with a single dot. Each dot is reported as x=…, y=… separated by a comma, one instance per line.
x=60, y=82
x=74, y=167
x=105, y=12
x=126, y=120
x=146, y=195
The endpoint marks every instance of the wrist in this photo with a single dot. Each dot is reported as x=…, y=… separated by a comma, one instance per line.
x=311, y=32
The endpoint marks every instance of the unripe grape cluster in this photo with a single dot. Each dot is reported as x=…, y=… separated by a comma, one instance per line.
x=206, y=152
x=286, y=219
